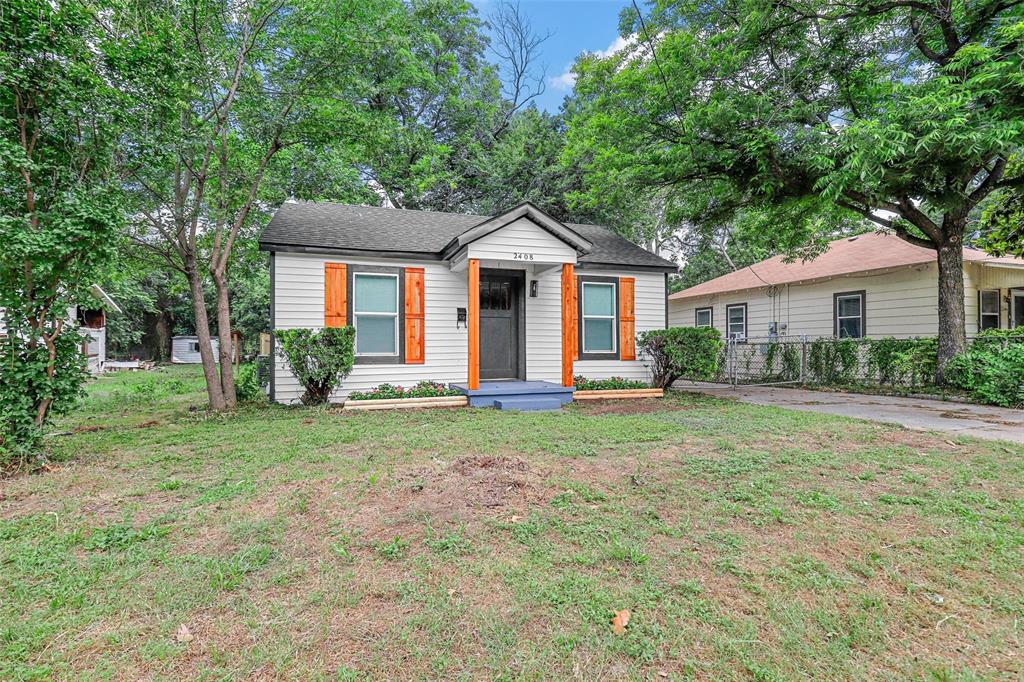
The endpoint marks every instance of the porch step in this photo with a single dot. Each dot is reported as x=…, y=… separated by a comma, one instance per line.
x=528, y=404
x=515, y=395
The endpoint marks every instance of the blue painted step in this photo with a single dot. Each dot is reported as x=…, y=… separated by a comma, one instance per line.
x=491, y=392
x=528, y=403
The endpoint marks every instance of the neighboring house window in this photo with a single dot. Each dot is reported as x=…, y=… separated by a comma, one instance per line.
x=848, y=310
x=988, y=309
x=599, y=307
x=736, y=321
x=193, y=346
x=703, y=317
x=375, y=314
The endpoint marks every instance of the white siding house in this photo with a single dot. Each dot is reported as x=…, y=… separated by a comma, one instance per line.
x=519, y=259
x=874, y=285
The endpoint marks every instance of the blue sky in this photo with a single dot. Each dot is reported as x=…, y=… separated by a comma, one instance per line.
x=576, y=26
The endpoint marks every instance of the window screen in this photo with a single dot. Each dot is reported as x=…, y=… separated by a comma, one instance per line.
x=375, y=313
x=598, y=317
x=849, y=316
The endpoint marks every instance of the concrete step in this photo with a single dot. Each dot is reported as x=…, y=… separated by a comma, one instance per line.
x=528, y=403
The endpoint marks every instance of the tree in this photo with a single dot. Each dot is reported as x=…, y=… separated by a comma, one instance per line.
x=71, y=82
x=254, y=78
x=901, y=113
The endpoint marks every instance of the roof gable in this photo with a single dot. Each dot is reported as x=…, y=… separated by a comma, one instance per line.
x=523, y=210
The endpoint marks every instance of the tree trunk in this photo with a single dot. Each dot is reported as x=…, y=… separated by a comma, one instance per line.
x=227, y=377
x=952, y=334
x=162, y=331
x=213, y=386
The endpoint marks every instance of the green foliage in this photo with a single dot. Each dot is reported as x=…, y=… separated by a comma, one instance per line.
x=787, y=355
x=582, y=383
x=833, y=361
x=71, y=87
x=991, y=372
x=319, y=359
x=902, y=361
x=247, y=383
x=681, y=352
x=423, y=389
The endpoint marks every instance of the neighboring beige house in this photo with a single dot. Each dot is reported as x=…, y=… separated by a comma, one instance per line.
x=871, y=285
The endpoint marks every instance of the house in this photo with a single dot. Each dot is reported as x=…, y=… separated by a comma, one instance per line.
x=463, y=299
x=871, y=285
x=92, y=327
x=185, y=350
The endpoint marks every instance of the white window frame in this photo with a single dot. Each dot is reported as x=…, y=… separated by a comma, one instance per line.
x=860, y=316
x=981, y=309
x=728, y=322
x=356, y=313
x=612, y=317
x=711, y=316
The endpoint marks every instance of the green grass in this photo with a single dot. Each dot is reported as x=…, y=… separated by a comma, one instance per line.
x=748, y=543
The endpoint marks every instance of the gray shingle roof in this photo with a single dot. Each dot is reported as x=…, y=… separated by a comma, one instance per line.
x=318, y=225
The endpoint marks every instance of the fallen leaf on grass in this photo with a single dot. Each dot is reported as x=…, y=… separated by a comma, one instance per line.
x=620, y=621
x=184, y=634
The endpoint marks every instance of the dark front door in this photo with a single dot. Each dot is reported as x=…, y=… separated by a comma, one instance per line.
x=499, y=326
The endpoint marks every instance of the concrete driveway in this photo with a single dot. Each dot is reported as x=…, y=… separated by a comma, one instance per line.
x=980, y=421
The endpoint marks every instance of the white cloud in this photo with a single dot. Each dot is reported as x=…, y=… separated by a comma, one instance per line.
x=567, y=79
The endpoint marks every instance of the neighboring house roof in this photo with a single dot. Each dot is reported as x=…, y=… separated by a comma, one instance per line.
x=368, y=230
x=848, y=256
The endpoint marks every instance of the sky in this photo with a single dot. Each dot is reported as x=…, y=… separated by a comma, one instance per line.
x=575, y=26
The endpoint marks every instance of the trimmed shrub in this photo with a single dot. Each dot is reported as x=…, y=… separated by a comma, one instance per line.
x=582, y=383
x=682, y=352
x=424, y=389
x=319, y=359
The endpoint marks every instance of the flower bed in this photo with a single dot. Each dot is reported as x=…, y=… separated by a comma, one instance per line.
x=424, y=389
x=613, y=389
x=390, y=397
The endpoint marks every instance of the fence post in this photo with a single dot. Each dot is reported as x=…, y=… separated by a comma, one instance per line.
x=803, y=358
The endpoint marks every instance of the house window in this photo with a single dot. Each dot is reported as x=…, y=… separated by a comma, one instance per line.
x=703, y=317
x=848, y=311
x=736, y=321
x=375, y=314
x=988, y=309
x=193, y=346
x=598, y=303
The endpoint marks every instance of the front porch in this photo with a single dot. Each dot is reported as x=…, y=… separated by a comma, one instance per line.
x=517, y=395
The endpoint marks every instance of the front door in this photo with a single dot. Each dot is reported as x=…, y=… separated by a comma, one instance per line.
x=499, y=326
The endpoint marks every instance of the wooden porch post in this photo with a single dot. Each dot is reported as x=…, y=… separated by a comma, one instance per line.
x=474, y=324
x=569, y=322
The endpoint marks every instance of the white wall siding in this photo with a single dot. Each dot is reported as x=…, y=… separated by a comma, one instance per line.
x=522, y=237
x=299, y=302
x=649, y=309
x=901, y=303
x=182, y=353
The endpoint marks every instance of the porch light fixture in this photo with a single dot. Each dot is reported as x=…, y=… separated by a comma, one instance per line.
x=460, y=318
x=533, y=288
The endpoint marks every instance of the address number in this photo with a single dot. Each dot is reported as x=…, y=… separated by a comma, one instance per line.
x=521, y=256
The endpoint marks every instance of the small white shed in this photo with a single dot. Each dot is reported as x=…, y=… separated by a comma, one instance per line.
x=185, y=350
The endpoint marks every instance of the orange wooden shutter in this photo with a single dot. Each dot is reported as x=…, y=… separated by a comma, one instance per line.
x=335, y=294
x=414, y=299
x=627, y=319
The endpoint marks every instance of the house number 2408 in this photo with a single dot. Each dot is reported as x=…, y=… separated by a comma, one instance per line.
x=521, y=256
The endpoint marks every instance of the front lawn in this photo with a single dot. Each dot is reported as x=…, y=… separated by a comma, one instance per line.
x=747, y=542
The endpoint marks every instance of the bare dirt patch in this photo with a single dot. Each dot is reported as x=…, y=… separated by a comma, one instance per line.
x=463, y=491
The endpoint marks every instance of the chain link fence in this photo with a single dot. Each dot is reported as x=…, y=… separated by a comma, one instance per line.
x=828, y=361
